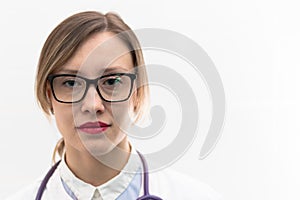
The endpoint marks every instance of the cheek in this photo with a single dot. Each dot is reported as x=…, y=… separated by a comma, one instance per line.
x=121, y=114
x=63, y=117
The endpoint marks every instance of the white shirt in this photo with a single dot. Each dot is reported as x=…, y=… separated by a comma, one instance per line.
x=167, y=184
x=109, y=190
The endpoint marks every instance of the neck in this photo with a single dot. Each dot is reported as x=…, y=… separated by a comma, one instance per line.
x=97, y=171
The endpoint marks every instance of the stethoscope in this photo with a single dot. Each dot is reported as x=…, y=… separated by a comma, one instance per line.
x=146, y=196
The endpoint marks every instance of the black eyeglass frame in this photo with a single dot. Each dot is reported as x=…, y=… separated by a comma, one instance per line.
x=94, y=82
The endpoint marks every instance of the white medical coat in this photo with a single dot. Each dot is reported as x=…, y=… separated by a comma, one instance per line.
x=167, y=184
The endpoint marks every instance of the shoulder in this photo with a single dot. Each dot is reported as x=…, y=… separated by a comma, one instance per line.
x=26, y=193
x=29, y=192
x=176, y=185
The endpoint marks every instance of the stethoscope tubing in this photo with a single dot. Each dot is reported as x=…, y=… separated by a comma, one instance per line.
x=45, y=181
x=146, y=196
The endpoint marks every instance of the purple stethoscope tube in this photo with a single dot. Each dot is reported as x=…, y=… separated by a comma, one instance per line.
x=146, y=196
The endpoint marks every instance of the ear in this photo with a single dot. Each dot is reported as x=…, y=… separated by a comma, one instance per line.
x=134, y=99
x=49, y=97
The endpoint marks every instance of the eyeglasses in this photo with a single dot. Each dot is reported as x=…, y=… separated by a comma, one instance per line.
x=71, y=88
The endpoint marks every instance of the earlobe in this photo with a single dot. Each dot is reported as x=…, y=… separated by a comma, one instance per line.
x=48, y=95
x=134, y=100
x=51, y=110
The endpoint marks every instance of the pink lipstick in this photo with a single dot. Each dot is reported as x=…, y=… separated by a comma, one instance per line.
x=93, y=127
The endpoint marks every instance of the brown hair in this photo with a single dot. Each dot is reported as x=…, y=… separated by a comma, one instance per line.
x=66, y=38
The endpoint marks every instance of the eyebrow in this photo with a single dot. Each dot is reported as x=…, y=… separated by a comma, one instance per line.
x=101, y=71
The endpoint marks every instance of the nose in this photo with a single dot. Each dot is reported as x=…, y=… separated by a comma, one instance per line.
x=92, y=102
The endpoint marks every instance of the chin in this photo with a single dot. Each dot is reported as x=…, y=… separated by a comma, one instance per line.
x=98, y=150
x=97, y=145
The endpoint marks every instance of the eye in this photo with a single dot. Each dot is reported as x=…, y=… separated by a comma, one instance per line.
x=112, y=81
x=72, y=83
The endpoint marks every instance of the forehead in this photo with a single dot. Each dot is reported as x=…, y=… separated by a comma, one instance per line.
x=99, y=53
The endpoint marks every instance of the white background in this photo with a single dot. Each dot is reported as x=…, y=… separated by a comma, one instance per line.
x=254, y=45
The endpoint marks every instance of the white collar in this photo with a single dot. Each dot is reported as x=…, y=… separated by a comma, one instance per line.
x=109, y=190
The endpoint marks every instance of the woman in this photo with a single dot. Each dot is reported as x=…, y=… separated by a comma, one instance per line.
x=90, y=76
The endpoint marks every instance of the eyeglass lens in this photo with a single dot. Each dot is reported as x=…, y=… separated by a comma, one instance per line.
x=111, y=88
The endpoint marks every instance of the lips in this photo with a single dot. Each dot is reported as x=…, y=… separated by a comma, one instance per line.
x=93, y=127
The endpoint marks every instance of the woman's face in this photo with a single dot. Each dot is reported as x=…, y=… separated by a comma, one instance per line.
x=92, y=124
